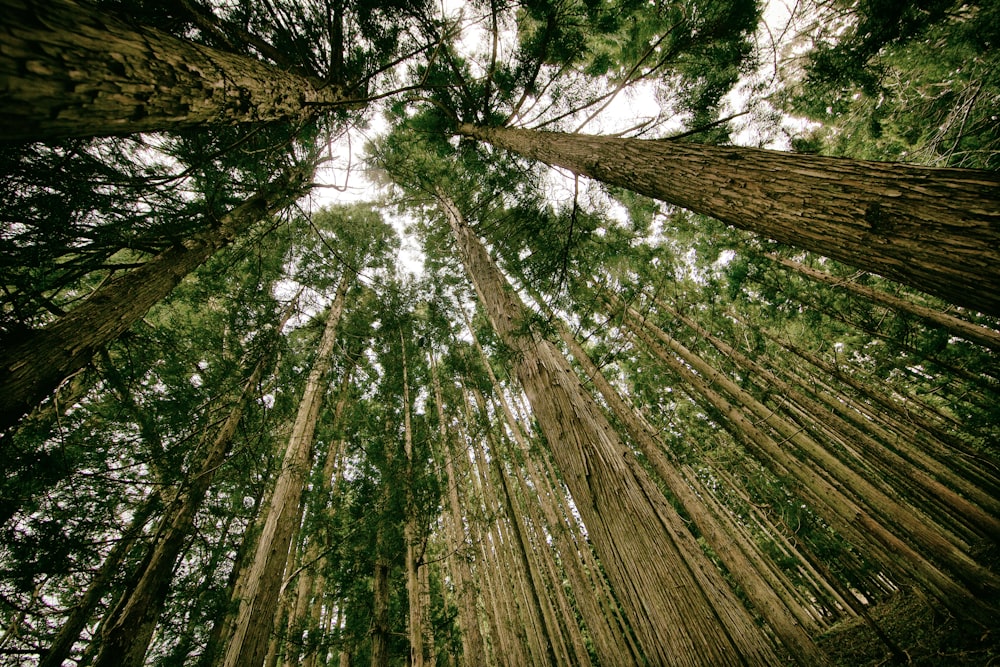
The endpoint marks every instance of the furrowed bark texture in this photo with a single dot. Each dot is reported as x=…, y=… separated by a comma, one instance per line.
x=255, y=620
x=935, y=229
x=32, y=370
x=68, y=70
x=670, y=592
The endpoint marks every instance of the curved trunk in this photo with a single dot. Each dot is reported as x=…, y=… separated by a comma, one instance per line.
x=71, y=71
x=935, y=229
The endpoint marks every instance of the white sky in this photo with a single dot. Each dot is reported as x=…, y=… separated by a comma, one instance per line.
x=345, y=172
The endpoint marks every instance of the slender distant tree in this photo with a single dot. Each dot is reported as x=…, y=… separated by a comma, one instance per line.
x=933, y=229
x=127, y=630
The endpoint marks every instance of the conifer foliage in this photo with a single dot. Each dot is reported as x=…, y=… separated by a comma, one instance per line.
x=656, y=397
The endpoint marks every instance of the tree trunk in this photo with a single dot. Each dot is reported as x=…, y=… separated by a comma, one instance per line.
x=255, y=620
x=744, y=566
x=32, y=370
x=676, y=602
x=845, y=513
x=473, y=646
x=969, y=331
x=68, y=70
x=126, y=639
x=935, y=229
x=416, y=540
x=84, y=608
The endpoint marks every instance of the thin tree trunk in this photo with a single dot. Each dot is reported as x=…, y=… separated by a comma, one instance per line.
x=380, y=607
x=844, y=513
x=679, y=607
x=82, y=611
x=125, y=640
x=255, y=620
x=935, y=229
x=31, y=371
x=473, y=646
x=310, y=586
x=414, y=538
x=69, y=70
x=974, y=333
x=744, y=566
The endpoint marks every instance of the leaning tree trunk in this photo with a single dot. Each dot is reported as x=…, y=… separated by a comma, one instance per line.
x=935, y=229
x=68, y=70
x=970, y=331
x=677, y=603
x=126, y=638
x=83, y=610
x=746, y=568
x=32, y=370
x=255, y=619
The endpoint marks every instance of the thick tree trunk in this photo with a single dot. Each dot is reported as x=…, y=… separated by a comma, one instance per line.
x=678, y=606
x=68, y=70
x=610, y=643
x=935, y=229
x=249, y=642
x=32, y=370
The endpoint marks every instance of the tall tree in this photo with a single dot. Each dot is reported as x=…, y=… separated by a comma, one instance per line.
x=933, y=229
x=32, y=370
x=666, y=586
x=70, y=70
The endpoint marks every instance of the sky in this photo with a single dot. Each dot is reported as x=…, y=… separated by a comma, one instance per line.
x=343, y=179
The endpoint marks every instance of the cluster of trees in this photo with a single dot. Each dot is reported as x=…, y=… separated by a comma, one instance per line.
x=703, y=407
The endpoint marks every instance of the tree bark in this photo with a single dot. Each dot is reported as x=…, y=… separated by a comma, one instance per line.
x=744, y=566
x=969, y=331
x=126, y=639
x=255, y=620
x=68, y=70
x=668, y=590
x=32, y=370
x=937, y=230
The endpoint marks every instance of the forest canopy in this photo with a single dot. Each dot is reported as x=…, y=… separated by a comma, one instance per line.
x=543, y=332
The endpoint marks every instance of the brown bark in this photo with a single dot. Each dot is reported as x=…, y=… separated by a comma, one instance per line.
x=82, y=611
x=310, y=587
x=829, y=498
x=937, y=230
x=473, y=646
x=125, y=640
x=666, y=588
x=610, y=644
x=419, y=620
x=902, y=471
x=971, y=332
x=745, y=566
x=32, y=370
x=255, y=620
x=68, y=70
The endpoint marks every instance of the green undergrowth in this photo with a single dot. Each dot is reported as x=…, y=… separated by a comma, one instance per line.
x=926, y=632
